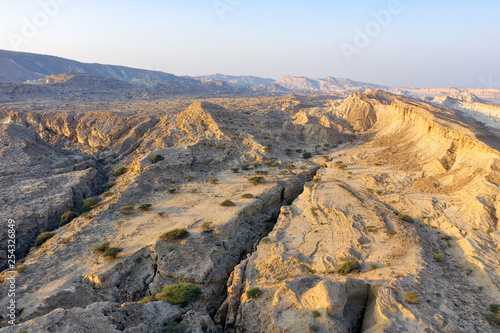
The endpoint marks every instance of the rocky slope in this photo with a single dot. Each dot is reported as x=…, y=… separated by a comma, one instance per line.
x=402, y=189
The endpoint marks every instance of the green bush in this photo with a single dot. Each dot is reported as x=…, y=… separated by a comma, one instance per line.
x=256, y=180
x=227, y=203
x=411, y=296
x=127, y=209
x=156, y=158
x=235, y=170
x=107, y=194
x=254, y=292
x=176, y=328
x=307, y=155
x=261, y=173
x=313, y=328
x=67, y=218
x=247, y=196
x=206, y=225
x=43, y=237
x=144, y=207
x=119, y=171
x=172, y=190
x=101, y=247
x=213, y=180
x=111, y=252
x=494, y=319
x=92, y=201
x=174, y=235
x=373, y=267
x=85, y=209
x=180, y=293
x=438, y=257
x=494, y=307
x=147, y=299
x=316, y=314
x=348, y=267
x=109, y=184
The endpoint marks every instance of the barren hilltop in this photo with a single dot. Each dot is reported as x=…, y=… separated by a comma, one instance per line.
x=238, y=211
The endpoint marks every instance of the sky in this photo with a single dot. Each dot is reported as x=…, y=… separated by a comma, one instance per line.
x=398, y=43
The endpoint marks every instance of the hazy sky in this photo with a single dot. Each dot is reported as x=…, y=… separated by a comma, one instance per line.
x=416, y=43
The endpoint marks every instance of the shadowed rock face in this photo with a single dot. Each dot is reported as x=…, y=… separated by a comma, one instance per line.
x=409, y=204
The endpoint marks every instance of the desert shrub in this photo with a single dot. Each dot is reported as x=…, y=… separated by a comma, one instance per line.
x=379, y=192
x=161, y=214
x=227, y=203
x=392, y=232
x=176, y=328
x=206, y=225
x=101, y=247
x=144, y=207
x=256, y=180
x=85, y=209
x=147, y=299
x=342, y=166
x=316, y=179
x=194, y=190
x=107, y=194
x=235, y=170
x=373, y=267
x=348, y=267
x=156, y=158
x=67, y=218
x=119, y=171
x=371, y=228
x=245, y=167
x=265, y=240
x=92, y=201
x=19, y=269
x=253, y=292
x=494, y=307
x=172, y=190
x=261, y=173
x=188, y=178
x=127, y=209
x=405, y=217
x=213, y=180
x=494, y=319
x=174, y=235
x=43, y=237
x=316, y=314
x=111, y=252
x=307, y=155
x=109, y=184
x=247, y=196
x=411, y=296
x=180, y=293
x=313, y=328
x=438, y=257
x=290, y=166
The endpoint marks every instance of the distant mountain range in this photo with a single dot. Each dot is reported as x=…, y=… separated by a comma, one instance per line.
x=36, y=69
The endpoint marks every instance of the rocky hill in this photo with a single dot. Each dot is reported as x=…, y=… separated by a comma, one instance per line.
x=370, y=213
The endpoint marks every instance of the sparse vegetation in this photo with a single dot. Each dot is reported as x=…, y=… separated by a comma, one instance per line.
x=206, y=225
x=313, y=328
x=172, y=190
x=19, y=269
x=147, y=299
x=438, y=257
x=102, y=247
x=174, y=235
x=180, y=293
x=213, y=181
x=144, y=207
x=235, y=170
x=127, y=209
x=405, y=217
x=85, y=209
x=109, y=184
x=227, y=203
x=379, y=192
x=411, y=296
x=107, y=194
x=67, y=218
x=119, y=171
x=348, y=267
x=392, y=232
x=112, y=252
x=373, y=267
x=307, y=155
x=256, y=180
x=156, y=158
x=194, y=190
x=265, y=240
x=315, y=314
x=247, y=196
x=92, y=201
x=261, y=173
x=43, y=237
x=161, y=214
x=253, y=292
x=371, y=228
x=176, y=328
